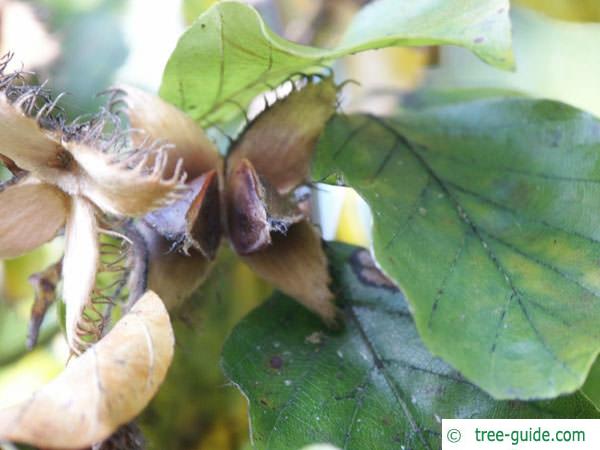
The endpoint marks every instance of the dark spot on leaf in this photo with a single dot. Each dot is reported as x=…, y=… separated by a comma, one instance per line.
x=264, y=402
x=368, y=273
x=500, y=10
x=479, y=40
x=202, y=25
x=276, y=362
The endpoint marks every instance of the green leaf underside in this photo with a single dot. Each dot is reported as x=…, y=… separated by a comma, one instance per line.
x=487, y=214
x=372, y=385
x=228, y=56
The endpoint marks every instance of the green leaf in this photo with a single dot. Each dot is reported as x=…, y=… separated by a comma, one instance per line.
x=372, y=385
x=487, y=214
x=591, y=388
x=480, y=26
x=229, y=55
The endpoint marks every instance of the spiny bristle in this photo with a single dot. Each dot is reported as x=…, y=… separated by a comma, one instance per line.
x=137, y=161
x=31, y=100
x=110, y=291
x=4, y=61
x=116, y=101
x=7, y=79
x=102, y=130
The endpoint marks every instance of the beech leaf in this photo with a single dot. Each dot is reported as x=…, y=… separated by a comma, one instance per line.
x=369, y=386
x=486, y=214
x=229, y=55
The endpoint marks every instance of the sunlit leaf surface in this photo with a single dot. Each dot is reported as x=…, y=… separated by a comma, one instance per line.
x=229, y=55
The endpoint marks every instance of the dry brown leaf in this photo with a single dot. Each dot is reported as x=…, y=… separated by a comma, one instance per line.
x=162, y=121
x=281, y=140
x=296, y=264
x=31, y=213
x=101, y=390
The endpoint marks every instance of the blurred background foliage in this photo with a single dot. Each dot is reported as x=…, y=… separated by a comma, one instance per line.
x=574, y=10
x=195, y=407
x=84, y=46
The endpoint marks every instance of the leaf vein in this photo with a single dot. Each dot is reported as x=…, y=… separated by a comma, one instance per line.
x=516, y=212
x=294, y=395
x=449, y=272
x=379, y=364
x=525, y=173
x=465, y=219
x=411, y=215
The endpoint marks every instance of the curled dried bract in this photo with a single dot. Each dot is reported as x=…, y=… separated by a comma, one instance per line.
x=101, y=390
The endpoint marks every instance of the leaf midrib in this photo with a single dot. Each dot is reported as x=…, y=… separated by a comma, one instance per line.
x=466, y=220
x=380, y=366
